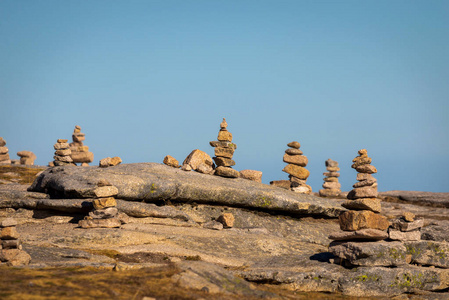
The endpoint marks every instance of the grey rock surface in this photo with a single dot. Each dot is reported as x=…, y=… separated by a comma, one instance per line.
x=420, y=198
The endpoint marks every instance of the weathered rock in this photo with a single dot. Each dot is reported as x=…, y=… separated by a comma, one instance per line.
x=26, y=157
x=83, y=157
x=205, y=169
x=365, y=176
x=4, y=150
x=361, y=160
x=355, y=220
x=362, y=234
x=421, y=198
x=364, y=183
x=303, y=189
x=369, y=169
x=331, y=163
x=100, y=223
x=294, y=179
x=151, y=182
x=224, y=152
x=197, y=157
x=2, y=142
x=171, y=161
x=105, y=191
x=285, y=184
x=15, y=257
x=293, y=151
x=10, y=244
x=227, y=219
x=297, y=171
x=397, y=235
x=332, y=185
x=372, y=204
x=363, y=152
x=61, y=146
x=213, y=225
x=408, y=216
x=363, y=192
x=224, y=136
x=104, y=203
x=223, y=144
x=115, y=161
x=108, y=161
x=389, y=282
x=300, y=160
x=429, y=253
x=370, y=254
x=331, y=174
x=104, y=213
x=8, y=222
x=9, y=233
x=333, y=169
x=223, y=162
x=330, y=179
x=227, y=172
x=330, y=192
x=142, y=210
x=103, y=182
x=251, y=175
x=67, y=159
x=65, y=152
x=294, y=144
x=186, y=168
x=407, y=226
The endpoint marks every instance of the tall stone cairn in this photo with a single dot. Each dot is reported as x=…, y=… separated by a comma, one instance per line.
x=224, y=150
x=80, y=153
x=298, y=174
x=11, y=252
x=62, y=154
x=4, y=152
x=331, y=186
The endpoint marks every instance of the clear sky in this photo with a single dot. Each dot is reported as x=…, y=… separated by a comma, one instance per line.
x=149, y=78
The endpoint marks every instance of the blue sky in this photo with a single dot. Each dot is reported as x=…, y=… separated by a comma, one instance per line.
x=149, y=78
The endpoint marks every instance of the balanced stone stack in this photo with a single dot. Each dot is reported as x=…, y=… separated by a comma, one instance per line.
x=26, y=157
x=62, y=154
x=298, y=174
x=224, y=150
x=80, y=153
x=4, y=152
x=105, y=212
x=11, y=251
x=406, y=228
x=331, y=186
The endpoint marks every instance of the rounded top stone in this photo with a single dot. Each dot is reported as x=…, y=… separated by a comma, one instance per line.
x=294, y=144
x=223, y=124
x=2, y=142
x=363, y=152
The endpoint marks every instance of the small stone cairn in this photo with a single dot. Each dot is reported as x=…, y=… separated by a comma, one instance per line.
x=224, y=150
x=298, y=174
x=4, y=152
x=80, y=153
x=331, y=186
x=62, y=154
x=11, y=251
x=406, y=228
x=105, y=213
x=26, y=157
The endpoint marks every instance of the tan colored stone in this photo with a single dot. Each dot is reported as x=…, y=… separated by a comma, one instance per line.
x=332, y=185
x=403, y=225
x=361, y=160
x=2, y=142
x=366, y=169
x=4, y=157
x=372, y=204
x=104, y=213
x=100, y=223
x=8, y=222
x=171, y=161
x=82, y=157
x=65, y=152
x=104, y=203
x=26, y=157
x=294, y=144
x=105, y=191
x=15, y=257
x=408, y=216
x=363, y=152
x=355, y=220
x=299, y=160
x=331, y=174
x=224, y=152
x=285, y=184
x=302, y=189
x=4, y=150
x=251, y=175
x=297, y=171
x=197, y=157
x=104, y=163
x=331, y=179
x=363, y=192
x=82, y=149
x=223, y=124
x=223, y=144
x=186, y=168
x=365, y=183
x=397, y=235
x=362, y=234
x=205, y=169
x=227, y=219
x=297, y=180
x=9, y=233
x=293, y=151
x=103, y=182
x=62, y=140
x=115, y=161
x=227, y=172
x=10, y=244
x=331, y=163
x=333, y=169
x=67, y=159
x=365, y=176
x=330, y=192
x=61, y=146
x=224, y=136
x=78, y=137
x=223, y=162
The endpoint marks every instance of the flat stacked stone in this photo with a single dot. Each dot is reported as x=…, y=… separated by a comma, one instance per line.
x=4, y=152
x=298, y=174
x=406, y=228
x=80, y=153
x=63, y=153
x=362, y=222
x=11, y=251
x=224, y=150
x=105, y=213
x=331, y=186
x=26, y=157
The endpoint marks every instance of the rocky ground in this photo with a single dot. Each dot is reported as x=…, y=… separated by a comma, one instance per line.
x=172, y=246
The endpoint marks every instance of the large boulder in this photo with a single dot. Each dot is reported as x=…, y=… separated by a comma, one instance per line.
x=151, y=182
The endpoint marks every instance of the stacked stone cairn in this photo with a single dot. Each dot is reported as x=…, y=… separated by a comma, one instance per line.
x=224, y=150
x=406, y=228
x=11, y=251
x=62, y=154
x=26, y=157
x=4, y=152
x=80, y=153
x=331, y=186
x=105, y=213
x=298, y=174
